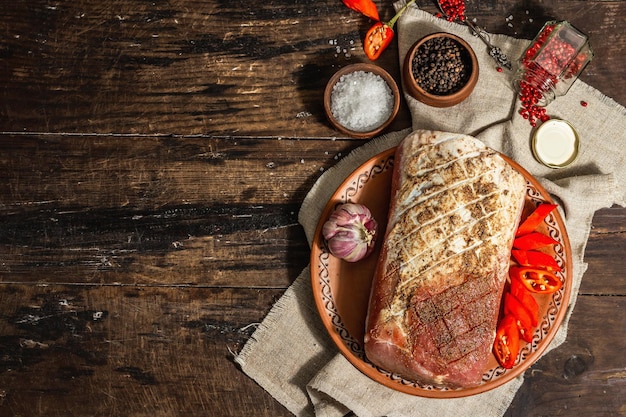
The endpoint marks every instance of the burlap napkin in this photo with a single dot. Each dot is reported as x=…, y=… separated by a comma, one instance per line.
x=291, y=356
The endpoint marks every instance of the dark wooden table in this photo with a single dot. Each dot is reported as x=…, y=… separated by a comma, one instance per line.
x=154, y=155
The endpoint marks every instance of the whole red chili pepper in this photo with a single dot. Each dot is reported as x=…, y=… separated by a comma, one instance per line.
x=380, y=35
x=366, y=7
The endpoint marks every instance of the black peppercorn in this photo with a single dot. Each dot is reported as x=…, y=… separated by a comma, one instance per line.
x=441, y=66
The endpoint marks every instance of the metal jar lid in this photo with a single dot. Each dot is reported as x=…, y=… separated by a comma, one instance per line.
x=555, y=143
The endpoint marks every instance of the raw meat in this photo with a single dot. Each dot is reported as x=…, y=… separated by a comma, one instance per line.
x=455, y=205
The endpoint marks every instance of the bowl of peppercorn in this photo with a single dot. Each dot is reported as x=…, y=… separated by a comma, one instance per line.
x=361, y=100
x=440, y=70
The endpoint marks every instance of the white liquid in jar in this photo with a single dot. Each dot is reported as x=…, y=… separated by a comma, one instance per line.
x=555, y=143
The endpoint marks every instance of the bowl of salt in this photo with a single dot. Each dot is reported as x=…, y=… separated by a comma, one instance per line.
x=361, y=100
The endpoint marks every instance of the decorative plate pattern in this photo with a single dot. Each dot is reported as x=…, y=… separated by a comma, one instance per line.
x=341, y=289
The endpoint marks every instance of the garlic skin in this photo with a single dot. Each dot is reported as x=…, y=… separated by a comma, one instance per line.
x=350, y=232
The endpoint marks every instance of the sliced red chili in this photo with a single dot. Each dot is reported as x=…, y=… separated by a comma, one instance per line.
x=506, y=345
x=535, y=259
x=377, y=40
x=534, y=240
x=536, y=280
x=519, y=291
x=366, y=7
x=535, y=218
x=523, y=319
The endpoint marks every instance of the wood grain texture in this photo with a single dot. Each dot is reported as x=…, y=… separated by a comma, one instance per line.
x=154, y=156
x=155, y=351
x=117, y=351
x=222, y=68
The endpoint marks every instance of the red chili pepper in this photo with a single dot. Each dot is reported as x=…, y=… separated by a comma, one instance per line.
x=506, y=345
x=377, y=39
x=534, y=240
x=366, y=7
x=380, y=35
x=519, y=291
x=535, y=259
x=536, y=280
x=535, y=218
x=523, y=320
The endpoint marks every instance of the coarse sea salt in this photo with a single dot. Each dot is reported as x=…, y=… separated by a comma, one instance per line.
x=361, y=101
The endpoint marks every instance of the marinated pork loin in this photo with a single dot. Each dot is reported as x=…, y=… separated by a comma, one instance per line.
x=455, y=205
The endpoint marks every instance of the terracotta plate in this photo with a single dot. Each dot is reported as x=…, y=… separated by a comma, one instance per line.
x=341, y=289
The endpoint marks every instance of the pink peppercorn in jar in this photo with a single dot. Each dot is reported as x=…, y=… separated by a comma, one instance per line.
x=549, y=67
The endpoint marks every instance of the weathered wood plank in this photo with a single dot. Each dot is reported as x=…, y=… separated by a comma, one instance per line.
x=271, y=257
x=150, y=173
x=199, y=247
x=159, y=352
x=168, y=67
x=607, y=240
x=123, y=351
x=183, y=211
x=197, y=211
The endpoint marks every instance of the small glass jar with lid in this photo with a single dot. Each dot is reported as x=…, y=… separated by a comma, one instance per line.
x=552, y=62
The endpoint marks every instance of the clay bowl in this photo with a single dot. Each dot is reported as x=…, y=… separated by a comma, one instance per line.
x=441, y=100
x=328, y=97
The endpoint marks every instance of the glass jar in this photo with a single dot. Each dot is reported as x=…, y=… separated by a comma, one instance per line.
x=552, y=62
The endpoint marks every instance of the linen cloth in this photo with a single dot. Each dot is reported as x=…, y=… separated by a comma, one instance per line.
x=290, y=354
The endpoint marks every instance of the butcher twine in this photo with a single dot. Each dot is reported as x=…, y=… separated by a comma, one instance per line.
x=290, y=354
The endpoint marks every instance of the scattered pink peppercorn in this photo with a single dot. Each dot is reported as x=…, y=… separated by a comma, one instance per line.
x=530, y=96
x=541, y=73
x=499, y=69
x=553, y=58
x=535, y=81
x=583, y=103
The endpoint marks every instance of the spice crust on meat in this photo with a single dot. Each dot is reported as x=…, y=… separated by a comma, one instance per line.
x=434, y=304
